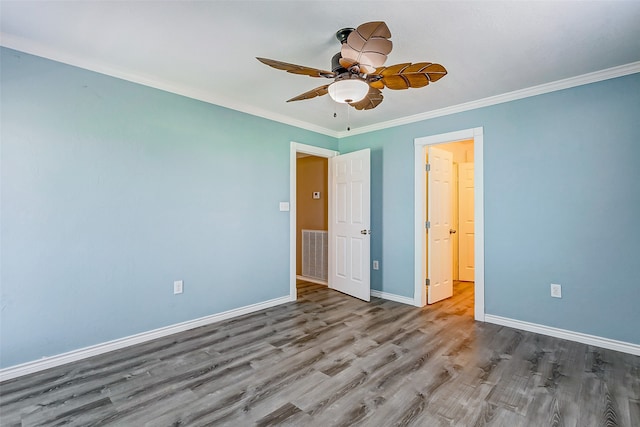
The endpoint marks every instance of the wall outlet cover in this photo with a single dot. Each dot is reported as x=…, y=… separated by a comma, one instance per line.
x=178, y=286
x=556, y=290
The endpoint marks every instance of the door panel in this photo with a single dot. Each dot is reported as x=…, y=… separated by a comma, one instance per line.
x=356, y=259
x=439, y=179
x=341, y=256
x=349, y=216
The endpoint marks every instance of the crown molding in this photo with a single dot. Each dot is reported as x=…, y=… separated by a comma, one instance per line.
x=27, y=46
x=596, y=76
x=32, y=48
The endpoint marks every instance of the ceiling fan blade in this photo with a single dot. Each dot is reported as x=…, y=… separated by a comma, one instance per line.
x=297, y=69
x=405, y=76
x=319, y=91
x=372, y=100
x=368, y=46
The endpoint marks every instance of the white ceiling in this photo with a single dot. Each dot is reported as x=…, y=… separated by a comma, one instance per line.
x=207, y=49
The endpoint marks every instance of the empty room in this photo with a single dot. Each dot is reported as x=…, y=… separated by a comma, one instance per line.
x=319, y=213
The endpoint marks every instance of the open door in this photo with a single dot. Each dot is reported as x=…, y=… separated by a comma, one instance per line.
x=439, y=250
x=349, y=223
x=466, y=232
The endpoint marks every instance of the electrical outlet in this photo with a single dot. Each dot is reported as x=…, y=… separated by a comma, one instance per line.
x=178, y=286
x=556, y=290
x=376, y=265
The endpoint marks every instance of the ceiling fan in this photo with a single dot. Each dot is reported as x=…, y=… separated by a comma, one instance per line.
x=357, y=71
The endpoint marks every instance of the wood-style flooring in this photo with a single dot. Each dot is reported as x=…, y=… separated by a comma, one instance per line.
x=332, y=360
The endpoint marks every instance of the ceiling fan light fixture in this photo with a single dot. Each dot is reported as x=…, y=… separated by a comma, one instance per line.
x=348, y=90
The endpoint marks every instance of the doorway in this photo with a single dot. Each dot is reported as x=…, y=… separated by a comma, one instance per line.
x=421, y=147
x=312, y=218
x=349, y=219
x=297, y=150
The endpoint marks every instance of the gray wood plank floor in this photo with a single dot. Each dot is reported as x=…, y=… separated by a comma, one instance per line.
x=332, y=360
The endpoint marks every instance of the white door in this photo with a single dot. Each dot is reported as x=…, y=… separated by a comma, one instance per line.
x=466, y=233
x=439, y=249
x=349, y=223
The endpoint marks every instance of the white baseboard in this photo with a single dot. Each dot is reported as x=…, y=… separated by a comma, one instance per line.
x=392, y=297
x=94, y=350
x=610, y=344
x=311, y=280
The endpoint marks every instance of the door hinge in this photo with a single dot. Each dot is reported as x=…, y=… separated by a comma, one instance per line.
x=427, y=282
x=427, y=224
x=427, y=167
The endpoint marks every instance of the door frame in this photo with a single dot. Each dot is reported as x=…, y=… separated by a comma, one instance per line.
x=420, y=146
x=296, y=148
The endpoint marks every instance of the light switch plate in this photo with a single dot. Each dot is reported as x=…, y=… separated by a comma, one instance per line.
x=284, y=206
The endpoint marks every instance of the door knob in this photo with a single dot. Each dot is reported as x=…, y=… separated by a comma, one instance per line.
x=452, y=231
x=365, y=231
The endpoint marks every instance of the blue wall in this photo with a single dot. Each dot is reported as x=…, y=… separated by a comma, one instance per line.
x=562, y=202
x=113, y=190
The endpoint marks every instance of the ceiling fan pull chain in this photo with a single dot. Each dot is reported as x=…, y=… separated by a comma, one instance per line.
x=348, y=117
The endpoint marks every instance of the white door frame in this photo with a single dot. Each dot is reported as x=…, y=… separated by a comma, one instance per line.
x=296, y=148
x=420, y=145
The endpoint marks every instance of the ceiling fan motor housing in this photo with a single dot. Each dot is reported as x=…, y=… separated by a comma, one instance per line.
x=335, y=64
